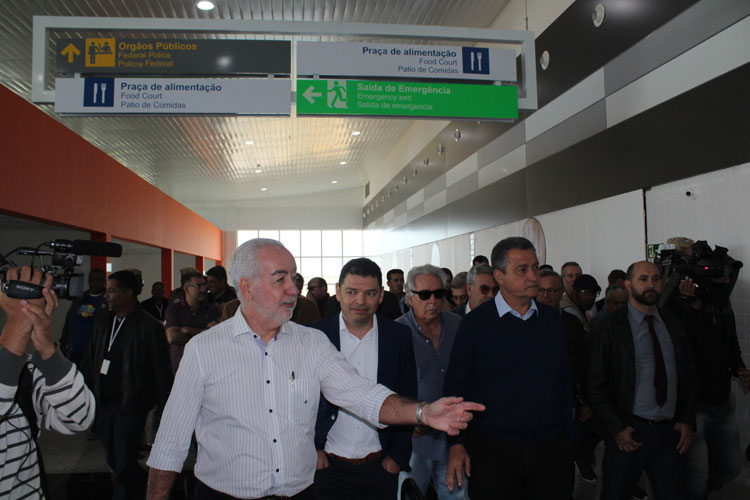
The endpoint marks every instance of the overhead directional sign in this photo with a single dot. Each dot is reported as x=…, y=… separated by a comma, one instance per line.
x=405, y=61
x=173, y=57
x=379, y=98
x=220, y=96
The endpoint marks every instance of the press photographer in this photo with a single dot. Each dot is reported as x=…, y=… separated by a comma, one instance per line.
x=36, y=389
x=700, y=281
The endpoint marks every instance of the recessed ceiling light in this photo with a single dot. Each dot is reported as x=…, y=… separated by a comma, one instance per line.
x=205, y=5
x=356, y=132
x=249, y=143
x=264, y=189
x=342, y=163
x=257, y=171
x=334, y=182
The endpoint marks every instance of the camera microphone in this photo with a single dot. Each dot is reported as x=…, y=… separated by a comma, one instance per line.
x=86, y=247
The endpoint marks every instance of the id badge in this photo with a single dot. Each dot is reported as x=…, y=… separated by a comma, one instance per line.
x=105, y=367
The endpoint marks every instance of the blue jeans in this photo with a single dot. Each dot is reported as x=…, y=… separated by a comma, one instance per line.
x=714, y=457
x=657, y=455
x=423, y=469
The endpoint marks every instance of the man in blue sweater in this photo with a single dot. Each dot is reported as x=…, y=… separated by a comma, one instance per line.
x=510, y=355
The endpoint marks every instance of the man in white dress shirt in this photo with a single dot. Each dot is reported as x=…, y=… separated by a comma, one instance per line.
x=249, y=389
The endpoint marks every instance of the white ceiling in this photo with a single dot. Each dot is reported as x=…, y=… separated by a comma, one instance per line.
x=204, y=160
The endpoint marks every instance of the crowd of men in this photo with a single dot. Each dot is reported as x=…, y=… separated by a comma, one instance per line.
x=498, y=382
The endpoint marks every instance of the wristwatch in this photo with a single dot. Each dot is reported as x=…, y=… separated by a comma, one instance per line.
x=420, y=407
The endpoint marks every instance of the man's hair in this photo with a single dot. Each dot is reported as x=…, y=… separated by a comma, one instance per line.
x=615, y=288
x=500, y=251
x=97, y=270
x=428, y=269
x=568, y=264
x=546, y=267
x=616, y=274
x=630, y=273
x=187, y=277
x=217, y=272
x=361, y=266
x=245, y=259
x=298, y=278
x=475, y=271
x=459, y=281
x=479, y=259
x=681, y=244
x=392, y=272
x=127, y=280
x=322, y=282
x=156, y=283
x=448, y=272
x=547, y=273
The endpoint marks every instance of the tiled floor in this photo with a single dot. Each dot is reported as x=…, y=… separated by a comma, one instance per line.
x=77, y=470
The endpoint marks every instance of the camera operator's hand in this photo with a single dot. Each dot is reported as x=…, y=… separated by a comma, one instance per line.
x=687, y=291
x=17, y=331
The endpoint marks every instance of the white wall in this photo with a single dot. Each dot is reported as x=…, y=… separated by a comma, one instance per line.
x=717, y=213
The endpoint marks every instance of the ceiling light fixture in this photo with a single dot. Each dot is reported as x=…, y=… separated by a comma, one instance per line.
x=342, y=163
x=205, y=5
x=249, y=143
x=264, y=189
x=356, y=132
x=257, y=171
x=334, y=182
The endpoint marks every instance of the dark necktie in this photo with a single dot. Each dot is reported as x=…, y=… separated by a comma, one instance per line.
x=660, y=371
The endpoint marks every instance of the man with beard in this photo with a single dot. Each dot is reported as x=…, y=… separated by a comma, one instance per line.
x=189, y=316
x=642, y=387
x=249, y=390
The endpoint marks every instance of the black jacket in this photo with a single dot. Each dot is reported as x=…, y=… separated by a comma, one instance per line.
x=146, y=372
x=612, y=372
x=397, y=370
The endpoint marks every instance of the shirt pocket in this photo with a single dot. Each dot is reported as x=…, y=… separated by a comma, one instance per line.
x=304, y=395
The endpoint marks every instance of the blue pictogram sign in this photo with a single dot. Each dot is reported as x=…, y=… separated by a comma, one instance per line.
x=476, y=60
x=99, y=92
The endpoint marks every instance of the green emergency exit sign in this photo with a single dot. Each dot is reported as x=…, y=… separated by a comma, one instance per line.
x=381, y=98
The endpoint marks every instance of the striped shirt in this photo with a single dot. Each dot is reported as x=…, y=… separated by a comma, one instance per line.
x=253, y=407
x=61, y=401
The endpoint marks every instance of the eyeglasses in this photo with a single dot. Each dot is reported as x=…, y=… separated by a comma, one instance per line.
x=485, y=289
x=545, y=291
x=425, y=294
x=589, y=293
x=200, y=285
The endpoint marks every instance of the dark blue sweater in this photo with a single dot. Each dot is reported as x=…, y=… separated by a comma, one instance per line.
x=518, y=369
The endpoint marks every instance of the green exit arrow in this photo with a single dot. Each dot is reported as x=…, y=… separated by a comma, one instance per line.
x=382, y=98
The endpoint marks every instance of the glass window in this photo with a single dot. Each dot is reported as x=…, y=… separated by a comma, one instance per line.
x=309, y=267
x=310, y=244
x=272, y=235
x=331, y=270
x=353, y=242
x=290, y=239
x=332, y=243
x=243, y=236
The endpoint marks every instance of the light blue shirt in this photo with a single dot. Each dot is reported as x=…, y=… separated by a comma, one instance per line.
x=644, y=403
x=503, y=308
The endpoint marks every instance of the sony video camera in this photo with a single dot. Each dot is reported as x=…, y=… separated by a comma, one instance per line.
x=714, y=271
x=62, y=257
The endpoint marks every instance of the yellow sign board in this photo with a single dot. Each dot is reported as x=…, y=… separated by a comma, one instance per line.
x=100, y=52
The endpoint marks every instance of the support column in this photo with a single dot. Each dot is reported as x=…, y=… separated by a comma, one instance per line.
x=200, y=263
x=97, y=261
x=167, y=269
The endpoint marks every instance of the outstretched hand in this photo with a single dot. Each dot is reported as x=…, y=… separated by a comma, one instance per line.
x=450, y=414
x=19, y=325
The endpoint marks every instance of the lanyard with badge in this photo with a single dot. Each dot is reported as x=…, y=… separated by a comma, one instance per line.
x=113, y=335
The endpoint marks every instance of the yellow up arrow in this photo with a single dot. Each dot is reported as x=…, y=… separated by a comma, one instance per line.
x=71, y=51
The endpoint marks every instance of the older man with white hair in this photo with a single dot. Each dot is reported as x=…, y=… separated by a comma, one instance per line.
x=432, y=331
x=249, y=389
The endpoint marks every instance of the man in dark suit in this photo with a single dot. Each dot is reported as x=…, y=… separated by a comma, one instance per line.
x=356, y=460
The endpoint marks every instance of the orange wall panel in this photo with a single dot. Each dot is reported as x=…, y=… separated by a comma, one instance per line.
x=50, y=173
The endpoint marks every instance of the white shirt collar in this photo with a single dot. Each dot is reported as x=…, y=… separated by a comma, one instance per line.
x=503, y=308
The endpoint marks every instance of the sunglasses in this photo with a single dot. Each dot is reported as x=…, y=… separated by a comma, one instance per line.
x=485, y=289
x=425, y=294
